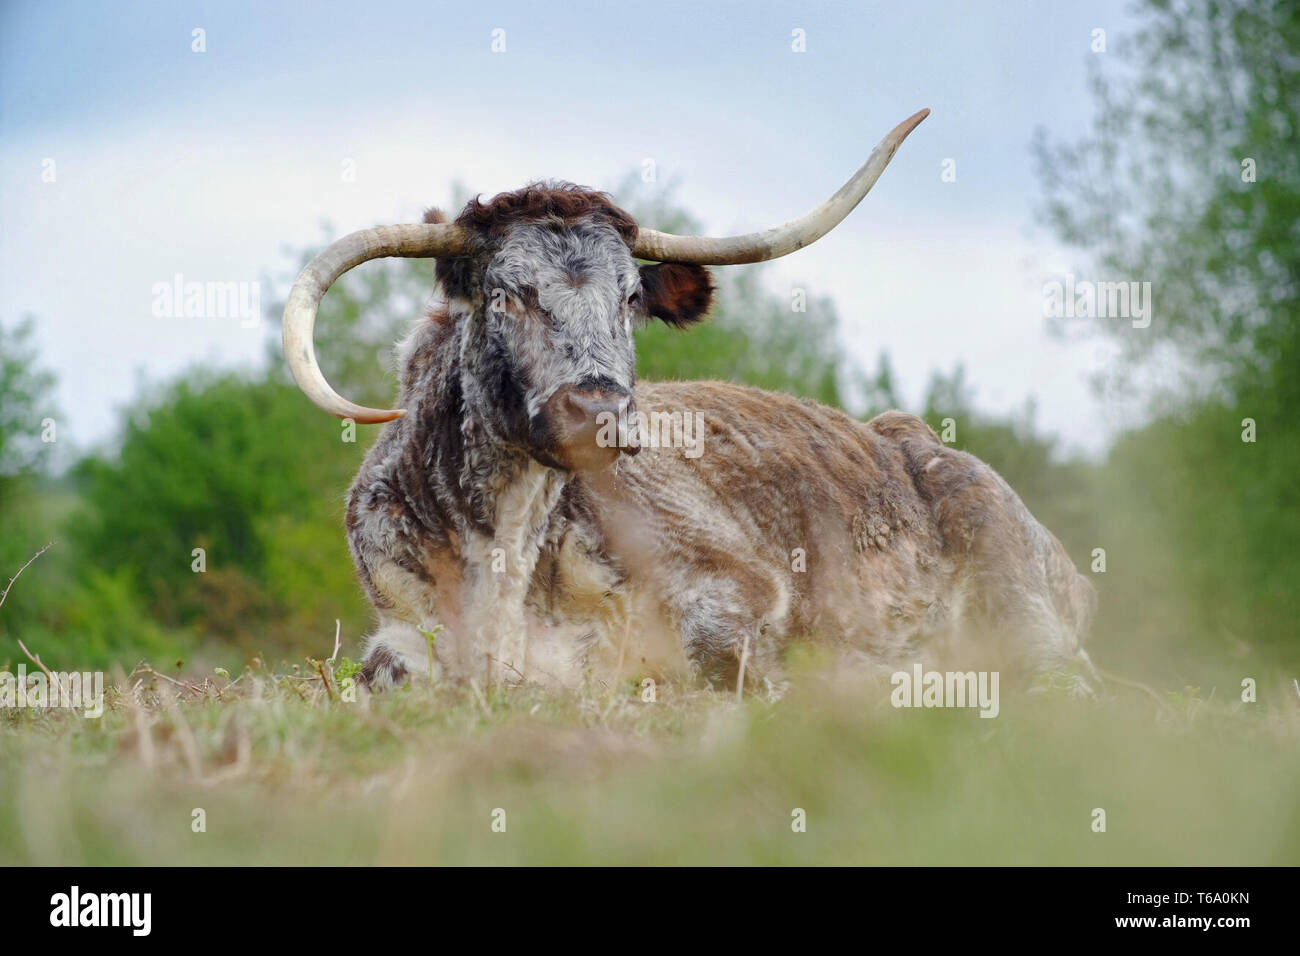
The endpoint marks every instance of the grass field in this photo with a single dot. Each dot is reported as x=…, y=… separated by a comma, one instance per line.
x=287, y=772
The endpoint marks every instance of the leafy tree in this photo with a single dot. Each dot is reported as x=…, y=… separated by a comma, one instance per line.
x=71, y=611
x=251, y=474
x=1190, y=179
x=879, y=390
x=25, y=401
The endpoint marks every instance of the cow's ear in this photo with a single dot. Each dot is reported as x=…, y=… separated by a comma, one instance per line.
x=675, y=292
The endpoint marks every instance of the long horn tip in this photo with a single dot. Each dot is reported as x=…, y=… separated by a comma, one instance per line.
x=911, y=123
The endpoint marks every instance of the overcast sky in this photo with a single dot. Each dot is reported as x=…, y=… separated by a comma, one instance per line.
x=210, y=164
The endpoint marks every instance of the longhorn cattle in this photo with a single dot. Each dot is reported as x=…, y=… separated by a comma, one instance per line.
x=533, y=512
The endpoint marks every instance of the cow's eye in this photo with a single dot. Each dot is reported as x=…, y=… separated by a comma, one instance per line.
x=634, y=299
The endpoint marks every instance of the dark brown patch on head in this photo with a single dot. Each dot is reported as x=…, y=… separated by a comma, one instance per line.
x=677, y=293
x=557, y=205
x=561, y=205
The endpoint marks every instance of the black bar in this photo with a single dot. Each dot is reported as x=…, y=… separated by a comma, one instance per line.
x=367, y=905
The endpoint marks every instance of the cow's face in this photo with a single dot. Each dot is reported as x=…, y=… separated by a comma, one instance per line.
x=552, y=302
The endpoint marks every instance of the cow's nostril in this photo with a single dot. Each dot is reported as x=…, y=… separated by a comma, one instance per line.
x=582, y=408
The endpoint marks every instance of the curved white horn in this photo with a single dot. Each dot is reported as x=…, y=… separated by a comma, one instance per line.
x=782, y=240
x=413, y=241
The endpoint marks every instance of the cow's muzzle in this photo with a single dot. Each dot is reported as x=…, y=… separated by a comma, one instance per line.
x=588, y=428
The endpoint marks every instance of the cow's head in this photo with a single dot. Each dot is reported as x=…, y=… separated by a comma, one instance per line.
x=551, y=294
x=547, y=280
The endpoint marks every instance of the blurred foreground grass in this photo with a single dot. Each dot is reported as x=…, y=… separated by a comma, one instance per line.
x=288, y=773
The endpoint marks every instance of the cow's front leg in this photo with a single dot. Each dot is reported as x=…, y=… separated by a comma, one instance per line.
x=495, y=631
x=499, y=573
x=415, y=639
x=396, y=652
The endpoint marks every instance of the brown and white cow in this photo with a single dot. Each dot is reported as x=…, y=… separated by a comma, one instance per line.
x=545, y=514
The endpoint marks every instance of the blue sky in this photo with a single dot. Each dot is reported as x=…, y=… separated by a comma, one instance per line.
x=211, y=164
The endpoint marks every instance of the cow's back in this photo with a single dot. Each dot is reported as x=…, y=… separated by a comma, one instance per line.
x=873, y=536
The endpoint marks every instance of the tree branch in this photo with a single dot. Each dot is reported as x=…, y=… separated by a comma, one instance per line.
x=22, y=569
